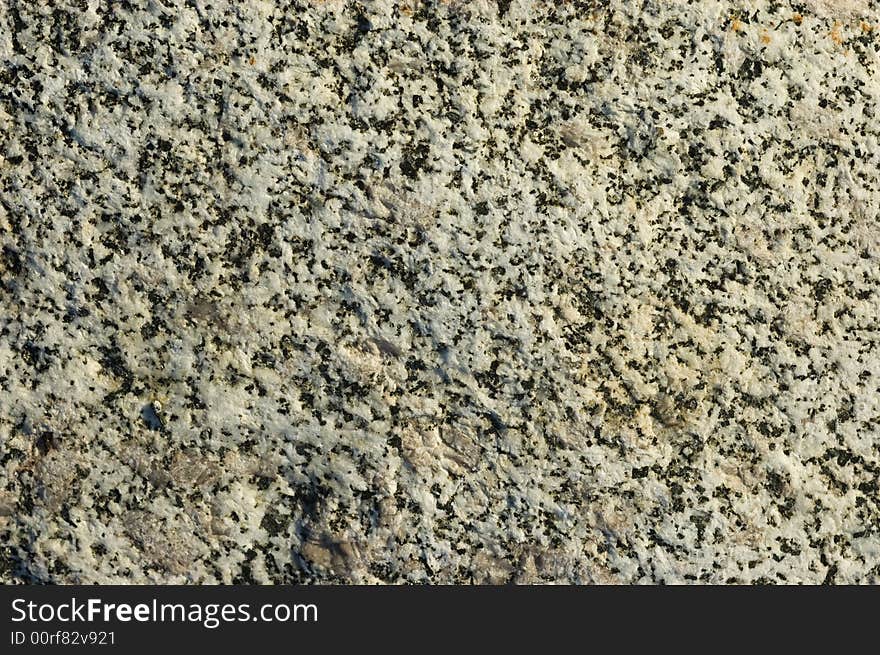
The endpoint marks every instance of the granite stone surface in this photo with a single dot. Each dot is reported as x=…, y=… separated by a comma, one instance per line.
x=439, y=291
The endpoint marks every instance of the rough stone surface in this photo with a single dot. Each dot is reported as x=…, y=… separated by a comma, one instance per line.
x=478, y=292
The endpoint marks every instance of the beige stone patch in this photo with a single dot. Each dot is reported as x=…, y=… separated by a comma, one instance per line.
x=335, y=554
x=56, y=473
x=169, y=545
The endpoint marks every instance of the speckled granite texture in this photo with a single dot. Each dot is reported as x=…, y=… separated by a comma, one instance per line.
x=580, y=292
